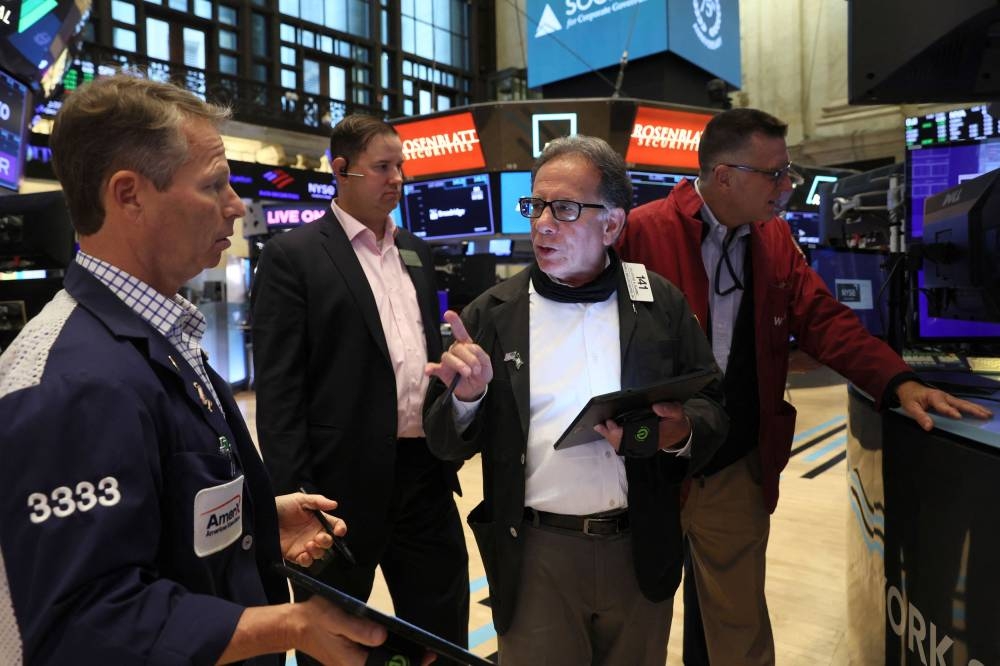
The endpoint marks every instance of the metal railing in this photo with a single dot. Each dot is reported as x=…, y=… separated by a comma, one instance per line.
x=252, y=101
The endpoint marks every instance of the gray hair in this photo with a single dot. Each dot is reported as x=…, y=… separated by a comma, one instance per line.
x=615, y=187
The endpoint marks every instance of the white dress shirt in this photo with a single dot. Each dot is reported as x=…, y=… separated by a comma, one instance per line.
x=722, y=308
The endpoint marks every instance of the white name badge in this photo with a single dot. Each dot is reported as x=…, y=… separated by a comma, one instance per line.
x=638, y=282
x=218, y=517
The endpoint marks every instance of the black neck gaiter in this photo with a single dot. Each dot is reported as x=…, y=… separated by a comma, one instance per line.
x=595, y=291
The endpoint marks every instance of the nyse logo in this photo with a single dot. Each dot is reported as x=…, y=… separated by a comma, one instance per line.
x=708, y=22
x=848, y=292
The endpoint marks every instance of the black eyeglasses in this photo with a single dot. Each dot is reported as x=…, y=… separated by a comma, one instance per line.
x=774, y=174
x=563, y=210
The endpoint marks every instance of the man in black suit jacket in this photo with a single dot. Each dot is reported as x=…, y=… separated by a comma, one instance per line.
x=345, y=315
x=582, y=548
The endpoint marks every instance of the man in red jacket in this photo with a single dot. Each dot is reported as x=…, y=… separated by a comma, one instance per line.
x=720, y=241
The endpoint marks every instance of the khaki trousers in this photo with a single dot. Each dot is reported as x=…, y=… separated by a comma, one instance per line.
x=727, y=528
x=579, y=603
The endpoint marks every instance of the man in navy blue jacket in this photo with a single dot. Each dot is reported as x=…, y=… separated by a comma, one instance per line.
x=137, y=523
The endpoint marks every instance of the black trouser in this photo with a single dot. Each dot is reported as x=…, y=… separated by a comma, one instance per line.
x=424, y=559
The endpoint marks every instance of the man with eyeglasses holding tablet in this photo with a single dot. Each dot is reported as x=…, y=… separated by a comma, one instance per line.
x=720, y=241
x=582, y=547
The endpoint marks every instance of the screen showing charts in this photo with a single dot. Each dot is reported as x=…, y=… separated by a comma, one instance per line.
x=449, y=207
x=649, y=186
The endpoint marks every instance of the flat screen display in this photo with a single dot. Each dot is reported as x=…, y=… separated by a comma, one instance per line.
x=856, y=277
x=449, y=207
x=805, y=227
x=34, y=37
x=649, y=186
x=931, y=170
x=513, y=186
x=13, y=116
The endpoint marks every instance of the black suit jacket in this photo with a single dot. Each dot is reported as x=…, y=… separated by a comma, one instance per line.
x=659, y=339
x=326, y=392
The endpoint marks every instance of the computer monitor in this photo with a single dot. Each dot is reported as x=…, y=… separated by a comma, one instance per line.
x=35, y=231
x=649, y=186
x=23, y=294
x=804, y=225
x=856, y=279
x=806, y=197
x=856, y=209
x=35, y=47
x=944, y=150
x=501, y=247
x=961, y=250
x=498, y=247
x=513, y=186
x=14, y=111
x=455, y=207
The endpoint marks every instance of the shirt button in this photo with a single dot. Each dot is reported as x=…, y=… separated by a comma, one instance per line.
x=247, y=542
x=607, y=454
x=611, y=504
x=513, y=532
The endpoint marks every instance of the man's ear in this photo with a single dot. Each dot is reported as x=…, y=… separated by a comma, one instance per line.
x=338, y=164
x=722, y=175
x=613, y=225
x=123, y=193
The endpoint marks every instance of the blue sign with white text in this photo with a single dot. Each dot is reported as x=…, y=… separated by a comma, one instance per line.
x=571, y=37
x=707, y=34
x=567, y=38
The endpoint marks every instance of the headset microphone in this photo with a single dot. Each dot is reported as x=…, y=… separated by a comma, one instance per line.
x=344, y=172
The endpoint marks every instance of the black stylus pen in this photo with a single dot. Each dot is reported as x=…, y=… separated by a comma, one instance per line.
x=337, y=541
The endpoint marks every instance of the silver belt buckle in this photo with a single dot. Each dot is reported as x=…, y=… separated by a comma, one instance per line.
x=588, y=521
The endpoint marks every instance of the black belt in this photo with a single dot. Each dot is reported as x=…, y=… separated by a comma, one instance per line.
x=606, y=525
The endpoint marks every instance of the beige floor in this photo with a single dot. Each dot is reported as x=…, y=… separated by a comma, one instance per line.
x=806, y=556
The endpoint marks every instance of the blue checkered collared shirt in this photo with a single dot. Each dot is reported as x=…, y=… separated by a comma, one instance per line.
x=176, y=318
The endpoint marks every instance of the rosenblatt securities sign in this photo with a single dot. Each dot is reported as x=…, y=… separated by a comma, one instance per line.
x=666, y=138
x=440, y=145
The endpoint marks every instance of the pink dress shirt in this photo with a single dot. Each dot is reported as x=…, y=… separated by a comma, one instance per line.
x=399, y=311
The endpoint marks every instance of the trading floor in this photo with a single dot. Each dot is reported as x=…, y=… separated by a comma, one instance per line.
x=806, y=561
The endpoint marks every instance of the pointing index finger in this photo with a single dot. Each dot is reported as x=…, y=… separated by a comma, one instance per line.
x=457, y=327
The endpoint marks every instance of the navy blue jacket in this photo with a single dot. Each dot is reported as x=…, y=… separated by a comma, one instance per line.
x=105, y=442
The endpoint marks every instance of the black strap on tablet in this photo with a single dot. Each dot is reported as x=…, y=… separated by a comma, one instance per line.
x=641, y=433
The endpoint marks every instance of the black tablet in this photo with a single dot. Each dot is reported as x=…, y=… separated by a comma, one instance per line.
x=408, y=640
x=600, y=408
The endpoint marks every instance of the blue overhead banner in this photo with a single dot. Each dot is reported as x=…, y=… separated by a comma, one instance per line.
x=567, y=38
x=707, y=33
x=571, y=37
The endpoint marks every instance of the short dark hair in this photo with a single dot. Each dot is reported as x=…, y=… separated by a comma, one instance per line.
x=730, y=131
x=121, y=122
x=615, y=187
x=351, y=136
